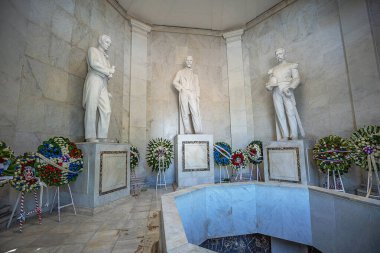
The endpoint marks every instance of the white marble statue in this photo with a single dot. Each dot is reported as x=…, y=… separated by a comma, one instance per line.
x=95, y=94
x=187, y=84
x=283, y=79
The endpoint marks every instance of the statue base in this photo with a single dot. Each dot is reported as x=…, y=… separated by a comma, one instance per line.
x=194, y=159
x=290, y=161
x=105, y=177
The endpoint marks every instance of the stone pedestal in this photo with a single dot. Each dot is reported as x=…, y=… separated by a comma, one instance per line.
x=290, y=161
x=105, y=177
x=194, y=159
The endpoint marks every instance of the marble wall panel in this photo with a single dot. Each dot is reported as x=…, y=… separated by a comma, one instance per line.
x=167, y=54
x=45, y=45
x=310, y=32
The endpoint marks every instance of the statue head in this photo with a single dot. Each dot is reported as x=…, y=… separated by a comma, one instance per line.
x=189, y=61
x=104, y=41
x=280, y=54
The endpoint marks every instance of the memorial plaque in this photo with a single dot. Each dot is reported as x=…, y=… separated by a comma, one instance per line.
x=195, y=156
x=113, y=171
x=284, y=164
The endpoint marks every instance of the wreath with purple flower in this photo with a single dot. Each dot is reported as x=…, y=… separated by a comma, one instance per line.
x=366, y=143
x=60, y=161
x=159, y=151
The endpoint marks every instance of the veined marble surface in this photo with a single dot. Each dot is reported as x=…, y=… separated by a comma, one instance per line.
x=309, y=215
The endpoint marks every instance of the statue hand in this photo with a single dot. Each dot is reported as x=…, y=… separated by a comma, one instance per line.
x=287, y=92
x=112, y=70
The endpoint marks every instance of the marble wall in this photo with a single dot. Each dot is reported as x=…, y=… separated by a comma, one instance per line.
x=310, y=32
x=44, y=48
x=167, y=53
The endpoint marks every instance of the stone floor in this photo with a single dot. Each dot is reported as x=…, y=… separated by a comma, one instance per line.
x=130, y=227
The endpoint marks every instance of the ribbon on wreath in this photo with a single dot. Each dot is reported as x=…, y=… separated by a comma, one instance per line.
x=222, y=151
x=371, y=166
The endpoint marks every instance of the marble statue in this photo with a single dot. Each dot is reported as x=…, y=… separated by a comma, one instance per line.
x=187, y=84
x=95, y=94
x=283, y=79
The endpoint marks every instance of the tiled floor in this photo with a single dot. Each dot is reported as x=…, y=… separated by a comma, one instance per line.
x=130, y=227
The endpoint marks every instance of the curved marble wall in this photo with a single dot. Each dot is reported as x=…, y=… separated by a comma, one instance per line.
x=308, y=215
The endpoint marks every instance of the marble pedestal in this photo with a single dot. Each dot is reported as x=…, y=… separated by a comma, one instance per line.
x=290, y=161
x=105, y=177
x=194, y=159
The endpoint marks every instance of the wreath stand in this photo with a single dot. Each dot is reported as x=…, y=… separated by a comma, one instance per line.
x=239, y=173
x=258, y=175
x=23, y=215
x=372, y=169
x=59, y=207
x=220, y=173
x=161, y=174
x=336, y=188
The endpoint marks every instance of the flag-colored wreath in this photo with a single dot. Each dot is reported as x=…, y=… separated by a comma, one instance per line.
x=60, y=161
x=333, y=153
x=222, y=153
x=159, y=150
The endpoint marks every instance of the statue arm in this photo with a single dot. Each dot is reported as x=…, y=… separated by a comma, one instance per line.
x=94, y=63
x=295, y=77
x=177, y=81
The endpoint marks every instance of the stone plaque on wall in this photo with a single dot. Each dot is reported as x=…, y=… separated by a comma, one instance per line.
x=113, y=171
x=194, y=160
x=195, y=156
x=288, y=157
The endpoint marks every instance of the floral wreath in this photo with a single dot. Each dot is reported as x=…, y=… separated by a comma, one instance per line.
x=254, y=152
x=222, y=153
x=366, y=143
x=60, y=161
x=24, y=175
x=159, y=149
x=239, y=158
x=135, y=157
x=6, y=157
x=333, y=153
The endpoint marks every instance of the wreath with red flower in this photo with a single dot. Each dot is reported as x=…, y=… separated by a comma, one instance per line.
x=254, y=152
x=60, y=161
x=24, y=173
x=239, y=158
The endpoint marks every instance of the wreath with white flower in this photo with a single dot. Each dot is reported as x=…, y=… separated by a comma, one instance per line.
x=6, y=157
x=135, y=157
x=254, y=152
x=60, y=161
x=159, y=150
x=365, y=141
x=333, y=153
x=239, y=158
x=222, y=153
x=24, y=175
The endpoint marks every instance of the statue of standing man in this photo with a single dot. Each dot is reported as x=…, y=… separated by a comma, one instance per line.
x=95, y=94
x=283, y=79
x=187, y=84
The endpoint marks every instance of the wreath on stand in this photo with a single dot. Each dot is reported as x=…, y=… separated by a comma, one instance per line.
x=135, y=157
x=254, y=152
x=222, y=153
x=24, y=175
x=333, y=153
x=159, y=149
x=367, y=152
x=60, y=161
x=239, y=159
x=6, y=157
